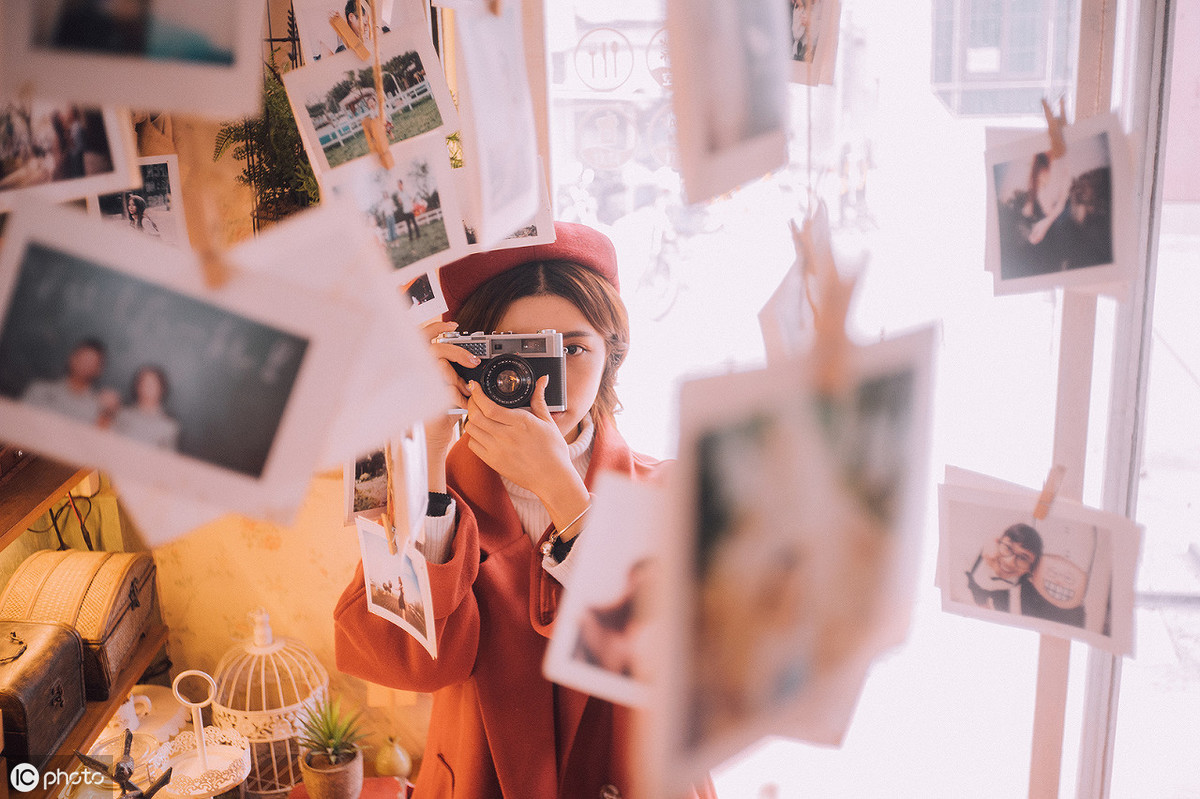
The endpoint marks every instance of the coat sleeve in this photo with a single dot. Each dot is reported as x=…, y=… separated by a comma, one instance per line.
x=371, y=647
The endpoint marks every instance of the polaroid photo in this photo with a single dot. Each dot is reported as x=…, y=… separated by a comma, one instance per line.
x=57, y=151
x=729, y=67
x=538, y=231
x=330, y=99
x=412, y=208
x=815, y=25
x=606, y=624
x=139, y=53
x=319, y=38
x=154, y=209
x=879, y=436
x=1070, y=575
x=115, y=354
x=397, y=585
x=423, y=295
x=366, y=482
x=499, y=136
x=346, y=261
x=751, y=573
x=1061, y=221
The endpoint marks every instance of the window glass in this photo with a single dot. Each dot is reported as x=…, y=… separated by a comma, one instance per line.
x=901, y=169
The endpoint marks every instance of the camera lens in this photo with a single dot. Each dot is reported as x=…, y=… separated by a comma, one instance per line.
x=508, y=381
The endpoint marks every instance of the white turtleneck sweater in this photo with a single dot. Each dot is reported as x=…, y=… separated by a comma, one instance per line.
x=439, y=530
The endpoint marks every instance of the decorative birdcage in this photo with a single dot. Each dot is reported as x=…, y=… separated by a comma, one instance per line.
x=265, y=689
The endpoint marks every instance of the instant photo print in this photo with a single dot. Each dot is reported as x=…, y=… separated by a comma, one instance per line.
x=332, y=97
x=154, y=208
x=319, y=38
x=608, y=618
x=750, y=572
x=366, y=485
x=163, y=55
x=814, y=37
x=412, y=208
x=729, y=73
x=397, y=585
x=115, y=355
x=498, y=133
x=1070, y=575
x=55, y=151
x=1060, y=221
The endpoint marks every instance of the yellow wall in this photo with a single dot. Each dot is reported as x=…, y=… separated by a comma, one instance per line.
x=210, y=580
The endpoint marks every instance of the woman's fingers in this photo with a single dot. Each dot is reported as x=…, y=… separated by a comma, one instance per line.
x=538, y=402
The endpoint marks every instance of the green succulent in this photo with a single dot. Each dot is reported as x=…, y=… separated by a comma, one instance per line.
x=328, y=733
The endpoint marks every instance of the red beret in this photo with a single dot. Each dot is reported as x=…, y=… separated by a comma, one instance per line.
x=573, y=242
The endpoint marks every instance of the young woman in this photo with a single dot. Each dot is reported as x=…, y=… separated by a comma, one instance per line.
x=145, y=417
x=139, y=218
x=499, y=539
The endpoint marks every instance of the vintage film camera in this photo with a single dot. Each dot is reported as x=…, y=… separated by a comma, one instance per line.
x=512, y=364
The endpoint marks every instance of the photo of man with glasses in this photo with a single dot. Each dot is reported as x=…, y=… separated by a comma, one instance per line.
x=1005, y=567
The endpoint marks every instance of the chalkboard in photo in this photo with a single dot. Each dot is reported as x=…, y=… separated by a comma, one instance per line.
x=155, y=208
x=113, y=354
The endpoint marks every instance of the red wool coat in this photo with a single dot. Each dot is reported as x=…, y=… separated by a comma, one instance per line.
x=499, y=729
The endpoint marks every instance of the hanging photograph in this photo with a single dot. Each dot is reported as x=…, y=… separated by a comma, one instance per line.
x=1071, y=574
x=412, y=207
x=423, y=294
x=397, y=585
x=332, y=97
x=316, y=21
x=730, y=72
x=499, y=136
x=750, y=572
x=138, y=53
x=58, y=151
x=154, y=209
x=113, y=354
x=604, y=632
x=539, y=231
x=366, y=482
x=815, y=25
x=1060, y=219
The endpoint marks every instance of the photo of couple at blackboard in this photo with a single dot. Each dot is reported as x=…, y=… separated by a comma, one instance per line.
x=104, y=349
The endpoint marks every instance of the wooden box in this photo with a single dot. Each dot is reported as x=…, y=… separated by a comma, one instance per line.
x=41, y=688
x=109, y=597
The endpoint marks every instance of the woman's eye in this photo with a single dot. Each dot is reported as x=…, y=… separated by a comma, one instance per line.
x=574, y=349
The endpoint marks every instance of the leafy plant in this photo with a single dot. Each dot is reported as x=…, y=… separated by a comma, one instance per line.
x=276, y=167
x=327, y=732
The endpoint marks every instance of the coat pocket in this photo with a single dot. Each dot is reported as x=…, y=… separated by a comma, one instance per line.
x=438, y=783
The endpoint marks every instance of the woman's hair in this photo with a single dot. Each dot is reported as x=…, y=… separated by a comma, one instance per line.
x=158, y=372
x=584, y=288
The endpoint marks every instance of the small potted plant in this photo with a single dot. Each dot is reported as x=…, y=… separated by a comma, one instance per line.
x=331, y=762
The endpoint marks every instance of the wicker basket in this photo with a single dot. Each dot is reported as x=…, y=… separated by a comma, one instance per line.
x=109, y=597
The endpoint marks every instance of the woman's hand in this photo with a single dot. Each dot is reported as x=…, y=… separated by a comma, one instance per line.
x=527, y=447
x=439, y=430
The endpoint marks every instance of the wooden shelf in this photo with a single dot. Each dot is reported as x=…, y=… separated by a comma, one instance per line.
x=96, y=714
x=30, y=491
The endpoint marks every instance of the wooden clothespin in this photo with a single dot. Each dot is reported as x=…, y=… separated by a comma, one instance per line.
x=389, y=504
x=375, y=128
x=1049, y=492
x=203, y=210
x=496, y=7
x=1055, y=124
x=349, y=37
x=829, y=297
